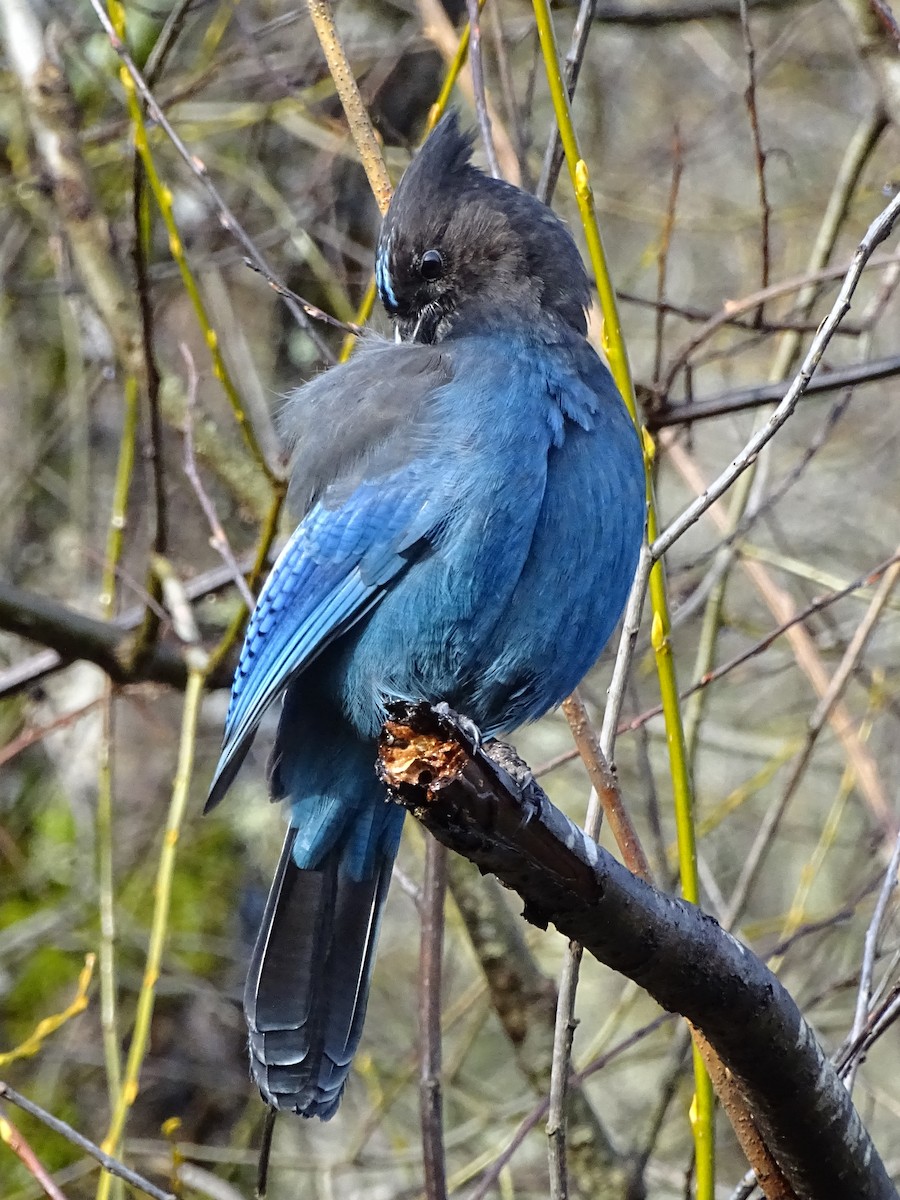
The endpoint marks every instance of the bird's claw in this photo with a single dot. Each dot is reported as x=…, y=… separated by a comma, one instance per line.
x=463, y=723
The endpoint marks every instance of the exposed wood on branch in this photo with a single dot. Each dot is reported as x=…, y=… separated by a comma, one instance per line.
x=488, y=808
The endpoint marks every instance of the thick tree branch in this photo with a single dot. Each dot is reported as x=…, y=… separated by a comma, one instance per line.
x=652, y=16
x=74, y=635
x=876, y=34
x=491, y=810
x=761, y=394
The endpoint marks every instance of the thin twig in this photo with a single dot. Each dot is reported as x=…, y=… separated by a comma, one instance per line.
x=798, y=618
x=39, y=666
x=631, y=626
x=301, y=309
x=733, y=309
x=879, y=230
x=857, y=644
x=438, y=29
x=870, y=947
x=476, y=65
x=512, y=108
x=434, y=890
x=606, y=788
x=746, y=398
x=491, y=1174
x=140, y=1037
x=563, y=1034
x=554, y=153
x=646, y=17
x=18, y=1144
x=665, y=242
x=781, y=605
x=361, y=129
x=219, y=539
x=110, y=1164
x=759, y=153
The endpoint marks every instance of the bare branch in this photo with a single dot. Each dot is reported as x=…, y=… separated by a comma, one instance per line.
x=765, y=208
x=219, y=539
x=743, y=399
x=507, y=826
x=300, y=309
x=476, y=65
x=864, y=993
x=643, y=16
x=431, y=1103
x=878, y=231
x=73, y=635
x=72, y=1135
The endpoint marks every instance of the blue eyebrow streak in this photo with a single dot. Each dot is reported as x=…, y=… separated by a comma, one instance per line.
x=383, y=278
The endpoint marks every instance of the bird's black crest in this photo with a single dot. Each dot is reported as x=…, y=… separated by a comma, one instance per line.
x=458, y=245
x=449, y=148
x=443, y=165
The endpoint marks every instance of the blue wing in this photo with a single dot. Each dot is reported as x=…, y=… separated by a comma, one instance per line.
x=335, y=567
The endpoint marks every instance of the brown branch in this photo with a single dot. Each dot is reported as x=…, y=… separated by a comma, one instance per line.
x=609, y=798
x=604, y=784
x=82, y=1143
x=678, y=954
x=39, y=666
x=759, y=153
x=644, y=16
x=74, y=635
x=21, y=1148
x=742, y=399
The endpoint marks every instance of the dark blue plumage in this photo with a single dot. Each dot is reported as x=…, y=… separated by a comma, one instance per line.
x=472, y=505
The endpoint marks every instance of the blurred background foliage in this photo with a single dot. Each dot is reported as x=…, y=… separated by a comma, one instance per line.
x=666, y=128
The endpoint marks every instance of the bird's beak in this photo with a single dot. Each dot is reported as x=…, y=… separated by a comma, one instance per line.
x=421, y=328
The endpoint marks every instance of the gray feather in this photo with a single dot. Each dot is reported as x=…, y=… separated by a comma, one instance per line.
x=362, y=419
x=308, y=983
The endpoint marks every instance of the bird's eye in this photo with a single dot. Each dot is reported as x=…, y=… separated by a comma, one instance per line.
x=432, y=265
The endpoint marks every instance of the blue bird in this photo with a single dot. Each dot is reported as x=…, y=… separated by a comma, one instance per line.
x=472, y=502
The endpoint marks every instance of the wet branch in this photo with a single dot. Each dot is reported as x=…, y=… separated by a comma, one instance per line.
x=490, y=810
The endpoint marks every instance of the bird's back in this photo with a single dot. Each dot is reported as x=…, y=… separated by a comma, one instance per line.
x=531, y=455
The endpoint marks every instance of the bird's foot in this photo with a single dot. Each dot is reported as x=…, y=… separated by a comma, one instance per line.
x=463, y=723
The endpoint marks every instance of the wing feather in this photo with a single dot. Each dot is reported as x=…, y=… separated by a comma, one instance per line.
x=335, y=567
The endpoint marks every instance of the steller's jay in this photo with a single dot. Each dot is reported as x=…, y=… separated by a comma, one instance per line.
x=472, y=501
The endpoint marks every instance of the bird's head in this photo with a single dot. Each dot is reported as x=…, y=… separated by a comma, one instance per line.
x=458, y=245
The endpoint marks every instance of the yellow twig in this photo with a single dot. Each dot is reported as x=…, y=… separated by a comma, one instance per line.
x=163, y=197
x=364, y=135
x=614, y=347
x=49, y=1025
x=162, y=897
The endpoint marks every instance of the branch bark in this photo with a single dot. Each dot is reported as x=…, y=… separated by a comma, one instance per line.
x=489, y=809
x=877, y=38
x=644, y=16
x=74, y=635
